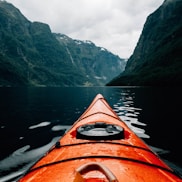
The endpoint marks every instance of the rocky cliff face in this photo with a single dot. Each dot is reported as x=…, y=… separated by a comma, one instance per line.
x=31, y=55
x=157, y=58
x=97, y=63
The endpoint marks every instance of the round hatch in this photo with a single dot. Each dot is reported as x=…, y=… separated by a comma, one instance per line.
x=100, y=131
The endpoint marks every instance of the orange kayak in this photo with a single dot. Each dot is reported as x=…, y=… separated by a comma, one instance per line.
x=100, y=147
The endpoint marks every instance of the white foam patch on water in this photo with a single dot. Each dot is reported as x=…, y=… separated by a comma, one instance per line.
x=21, y=150
x=22, y=156
x=60, y=127
x=159, y=150
x=42, y=124
x=12, y=176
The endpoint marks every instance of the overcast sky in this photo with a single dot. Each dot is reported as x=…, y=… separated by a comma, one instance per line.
x=113, y=24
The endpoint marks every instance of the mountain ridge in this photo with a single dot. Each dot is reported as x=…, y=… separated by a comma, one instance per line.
x=83, y=52
x=156, y=60
x=32, y=55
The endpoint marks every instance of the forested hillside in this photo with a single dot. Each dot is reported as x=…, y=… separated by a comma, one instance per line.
x=32, y=55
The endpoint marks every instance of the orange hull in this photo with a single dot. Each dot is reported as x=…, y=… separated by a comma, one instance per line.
x=101, y=148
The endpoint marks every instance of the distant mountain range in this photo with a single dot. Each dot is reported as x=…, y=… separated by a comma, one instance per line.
x=157, y=58
x=31, y=55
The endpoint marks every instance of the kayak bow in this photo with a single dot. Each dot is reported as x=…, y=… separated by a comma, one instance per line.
x=100, y=147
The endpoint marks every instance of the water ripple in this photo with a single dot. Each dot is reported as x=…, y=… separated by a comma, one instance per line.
x=129, y=114
x=21, y=160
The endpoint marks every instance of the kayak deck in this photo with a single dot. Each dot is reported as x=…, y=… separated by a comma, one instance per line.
x=100, y=147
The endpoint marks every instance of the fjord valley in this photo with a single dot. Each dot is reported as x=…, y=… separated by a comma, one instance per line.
x=32, y=55
x=157, y=58
x=48, y=79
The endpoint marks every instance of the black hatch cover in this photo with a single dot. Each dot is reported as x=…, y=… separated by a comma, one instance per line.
x=100, y=131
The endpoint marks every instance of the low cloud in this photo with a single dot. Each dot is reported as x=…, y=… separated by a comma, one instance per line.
x=113, y=24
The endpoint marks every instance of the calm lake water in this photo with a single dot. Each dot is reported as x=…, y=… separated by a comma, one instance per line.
x=32, y=120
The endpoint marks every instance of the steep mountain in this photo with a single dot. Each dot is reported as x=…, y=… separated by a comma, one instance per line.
x=31, y=55
x=157, y=58
x=96, y=62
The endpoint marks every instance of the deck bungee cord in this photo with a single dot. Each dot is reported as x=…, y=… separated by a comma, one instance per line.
x=104, y=157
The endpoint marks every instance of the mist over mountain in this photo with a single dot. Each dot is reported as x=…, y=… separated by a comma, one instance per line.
x=157, y=58
x=32, y=55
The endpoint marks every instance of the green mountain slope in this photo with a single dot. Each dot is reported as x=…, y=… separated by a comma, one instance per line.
x=96, y=62
x=31, y=55
x=157, y=58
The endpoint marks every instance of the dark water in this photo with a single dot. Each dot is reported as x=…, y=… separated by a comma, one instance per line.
x=32, y=120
